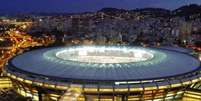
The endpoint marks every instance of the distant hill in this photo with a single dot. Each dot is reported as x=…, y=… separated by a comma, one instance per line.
x=145, y=11
x=112, y=10
x=187, y=10
x=152, y=10
x=157, y=12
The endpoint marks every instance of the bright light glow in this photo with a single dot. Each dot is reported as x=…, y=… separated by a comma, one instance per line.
x=105, y=54
x=82, y=53
x=24, y=26
x=17, y=32
x=1, y=39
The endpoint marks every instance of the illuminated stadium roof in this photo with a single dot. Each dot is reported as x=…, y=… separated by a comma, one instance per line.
x=104, y=55
x=105, y=63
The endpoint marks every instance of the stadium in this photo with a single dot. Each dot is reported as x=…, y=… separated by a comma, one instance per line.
x=103, y=73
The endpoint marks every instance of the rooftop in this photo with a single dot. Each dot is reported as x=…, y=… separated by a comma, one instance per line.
x=164, y=63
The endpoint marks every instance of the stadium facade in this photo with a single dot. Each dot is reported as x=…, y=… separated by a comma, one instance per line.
x=103, y=73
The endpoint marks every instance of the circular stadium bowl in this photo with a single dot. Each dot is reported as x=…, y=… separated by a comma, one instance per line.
x=111, y=73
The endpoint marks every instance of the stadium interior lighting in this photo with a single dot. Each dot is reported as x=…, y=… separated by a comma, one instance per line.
x=104, y=55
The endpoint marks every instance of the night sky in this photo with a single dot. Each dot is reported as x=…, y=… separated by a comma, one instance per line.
x=72, y=6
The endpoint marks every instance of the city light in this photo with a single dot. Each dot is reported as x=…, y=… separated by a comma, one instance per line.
x=1, y=39
x=24, y=26
x=17, y=32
